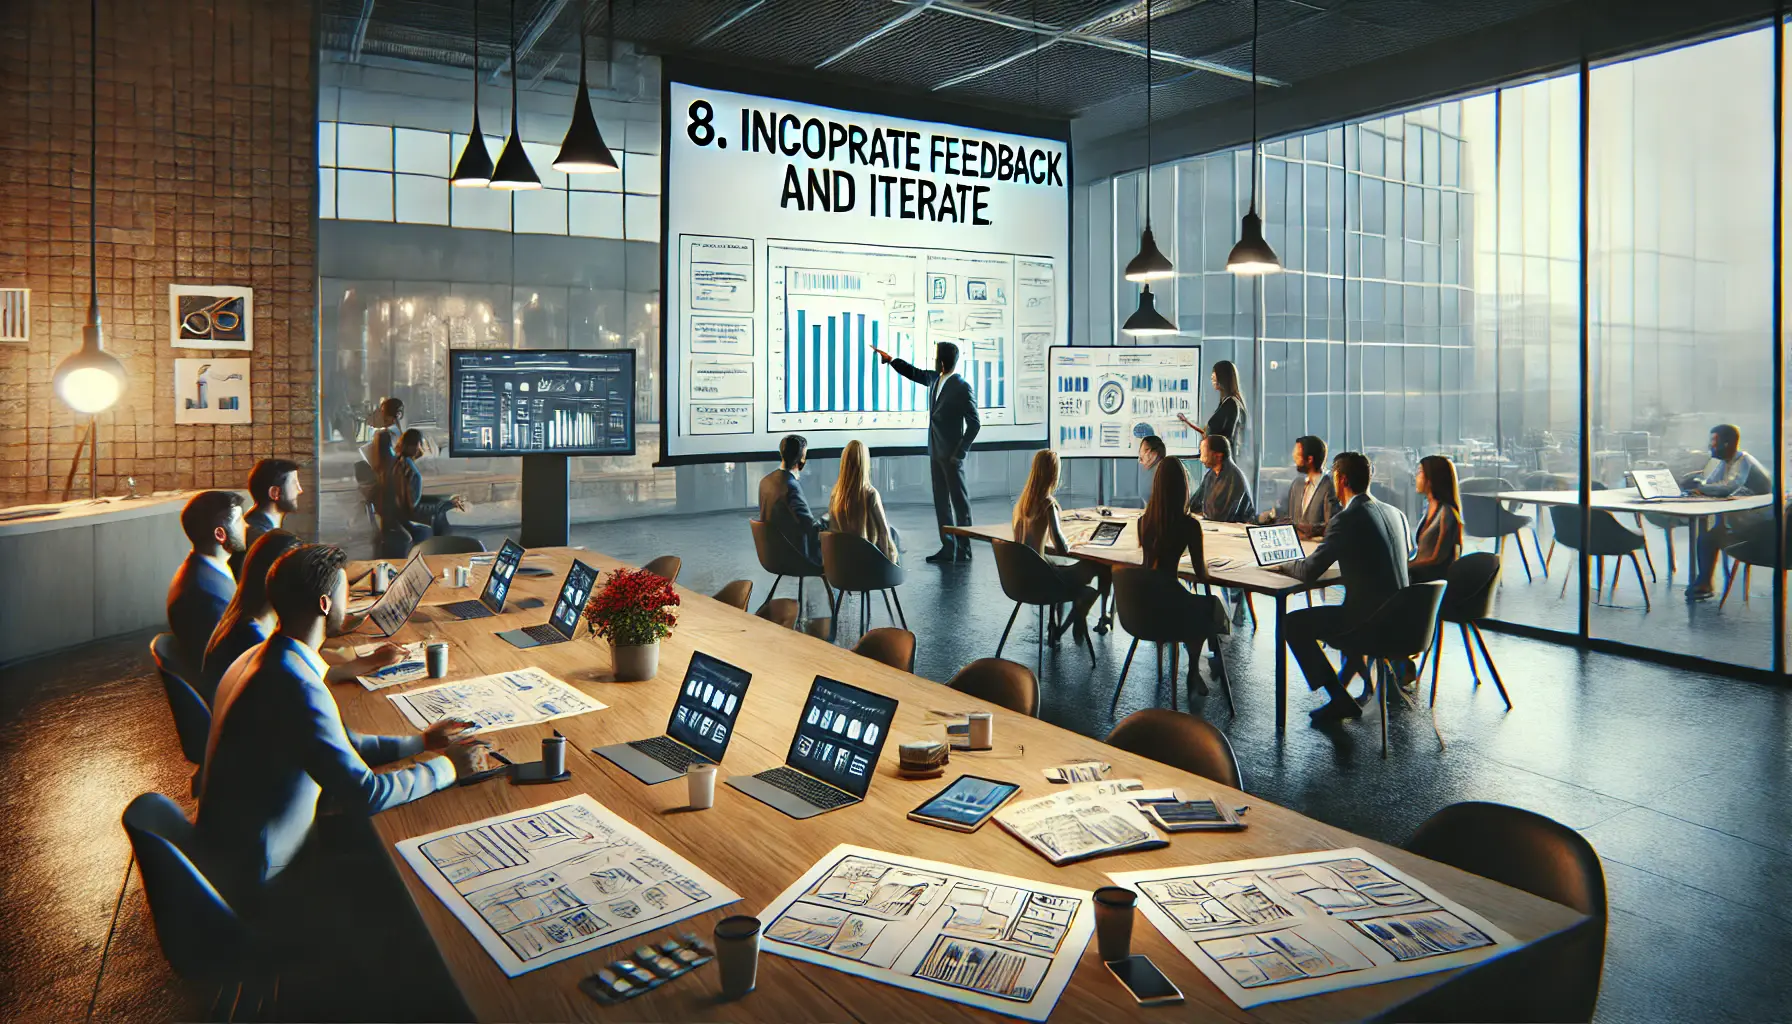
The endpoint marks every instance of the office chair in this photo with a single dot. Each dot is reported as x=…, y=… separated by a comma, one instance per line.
x=1028, y=579
x=1181, y=741
x=1004, y=683
x=1153, y=606
x=192, y=717
x=1468, y=598
x=893, y=646
x=781, y=610
x=1484, y=516
x=665, y=566
x=451, y=544
x=1546, y=858
x=1609, y=539
x=1753, y=546
x=738, y=594
x=778, y=557
x=1403, y=627
x=853, y=565
x=393, y=543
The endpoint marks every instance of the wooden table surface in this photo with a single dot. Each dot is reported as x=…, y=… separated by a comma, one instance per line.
x=758, y=851
x=1626, y=499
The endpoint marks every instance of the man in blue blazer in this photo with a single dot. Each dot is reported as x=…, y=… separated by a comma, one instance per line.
x=203, y=585
x=952, y=425
x=1367, y=540
x=782, y=506
x=278, y=744
x=274, y=491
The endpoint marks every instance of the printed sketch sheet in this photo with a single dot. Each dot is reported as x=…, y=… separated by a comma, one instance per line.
x=1279, y=928
x=988, y=940
x=537, y=886
x=506, y=700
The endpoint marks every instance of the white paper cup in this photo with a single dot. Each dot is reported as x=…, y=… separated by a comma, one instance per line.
x=435, y=659
x=981, y=730
x=737, y=955
x=701, y=781
x=460, y=575
x=379, y=578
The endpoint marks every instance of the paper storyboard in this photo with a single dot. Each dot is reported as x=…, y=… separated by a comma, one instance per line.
x=506, y=700
x=975, y=937
x=538, y=886
x=1277, y=928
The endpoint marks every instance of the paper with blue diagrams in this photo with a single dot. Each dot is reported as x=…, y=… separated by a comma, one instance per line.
x=505, y=700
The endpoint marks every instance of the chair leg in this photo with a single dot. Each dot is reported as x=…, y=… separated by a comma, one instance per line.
x=1729, y=581
x=900, y=617
x=774, y=592
x=799, y=594
x=1650, y=559
x=1472, y=670
x=1669, y=535
x=1381, y=697
x=1747, y=581
x=1491, y=667
x=1616, y=571
x=1175, y=658
x=891, y=612
x=1640, y=585
x=1004, y=641
x=1537, y=545
x=1251, y=606
x=835, y=600
x=1566, y=573
x=1550, y=555
x=1436, y=650
x=864, y=613
x=1125, y=667
x=1219, y=664
x=1040, y=664
x=1525, y=560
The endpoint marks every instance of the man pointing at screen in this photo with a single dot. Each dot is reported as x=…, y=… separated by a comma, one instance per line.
x=952, y=425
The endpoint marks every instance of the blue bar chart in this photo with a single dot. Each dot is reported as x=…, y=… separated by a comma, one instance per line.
x=829, y=365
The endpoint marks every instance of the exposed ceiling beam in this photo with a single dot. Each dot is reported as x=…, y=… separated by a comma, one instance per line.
x=360, y=37
x=532, y=35
x=915, y=11
x=722, y=26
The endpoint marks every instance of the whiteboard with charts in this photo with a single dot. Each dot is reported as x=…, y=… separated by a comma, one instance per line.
x=1105, y=399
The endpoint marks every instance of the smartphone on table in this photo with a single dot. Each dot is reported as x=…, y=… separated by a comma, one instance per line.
x=1146, y=983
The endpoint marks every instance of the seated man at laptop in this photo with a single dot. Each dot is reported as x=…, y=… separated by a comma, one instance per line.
x=782, y=507
x=1730, y=472
x=1312, y=501
x=1367, y=540
x=1223, y=495
x=203, y=585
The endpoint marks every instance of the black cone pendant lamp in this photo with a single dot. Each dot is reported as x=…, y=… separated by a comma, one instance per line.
x=1253, y=255
x=474, y=168
x=90, y=379
x=1150, y=264
x=514, y=172
x=583, y=151
x=1146, y=320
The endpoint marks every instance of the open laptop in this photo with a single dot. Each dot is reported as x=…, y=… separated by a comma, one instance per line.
x=563, y=621
x=833, y=754
x=1275, y=545
x=394, y=608
x=497, y=586
x=1656, y=484
x=698, y=732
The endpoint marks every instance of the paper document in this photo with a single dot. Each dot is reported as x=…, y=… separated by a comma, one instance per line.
x=407, y=669
x=1085, y=820
x=527, y=696
x=1078, y=771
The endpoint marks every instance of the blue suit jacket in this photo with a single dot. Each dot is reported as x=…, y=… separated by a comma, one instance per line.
x=196, y=601
x=222, y=653
x=783, y=508
x=278, y=743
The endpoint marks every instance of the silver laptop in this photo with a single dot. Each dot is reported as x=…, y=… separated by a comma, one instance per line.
x=1275, y=545
x=1656, y=484
x=698, y=732
x=563, y=621
x=833, y=754
x=497, y=586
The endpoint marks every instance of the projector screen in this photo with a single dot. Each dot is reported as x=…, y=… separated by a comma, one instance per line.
x=798, y=236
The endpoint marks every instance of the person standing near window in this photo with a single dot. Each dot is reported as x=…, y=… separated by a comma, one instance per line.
x=1229, y=416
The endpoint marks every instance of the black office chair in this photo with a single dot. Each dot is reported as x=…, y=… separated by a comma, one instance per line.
x=1152, y=605
x=1752, y=545
x=1004, y=683
x=1403, y=627
x=192, y=717
x=450, y=544
x=393, y=543
x=1028, y=579
x=893, y=646
x=666, y=567
x=778, y=557
x=1484, y=515
x=781, y=610
x=853, y=565
x=1609, y=539
x=1179, y=740
x=1468, y=598
x=1545, y=858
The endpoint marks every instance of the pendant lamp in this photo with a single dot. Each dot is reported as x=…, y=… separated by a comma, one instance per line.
x=474, y=168
x=514, y=172
x=1146, y=321
x=583, y=150
x=90, y=379
x=1150, y=264
x=1253, y=255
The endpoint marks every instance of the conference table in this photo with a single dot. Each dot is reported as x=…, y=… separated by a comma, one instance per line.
x=757, y=851
x=1230, y=563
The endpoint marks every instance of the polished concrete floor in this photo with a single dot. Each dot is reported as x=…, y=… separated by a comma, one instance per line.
x=1681, y=781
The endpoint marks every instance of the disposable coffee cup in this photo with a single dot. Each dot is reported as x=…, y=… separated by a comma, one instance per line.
x=553, y=756
x=435, y=658
x=981, y=730
x=460, y=575
x=1113, y=921
x=379, y=578
x=737, y=955
x=701, y=780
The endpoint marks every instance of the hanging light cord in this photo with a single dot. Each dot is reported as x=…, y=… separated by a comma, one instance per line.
x=93, y=165
x=1148, y=112
x=477, y=70
x=1254, y=7
x=610, y=53
x=515, y=127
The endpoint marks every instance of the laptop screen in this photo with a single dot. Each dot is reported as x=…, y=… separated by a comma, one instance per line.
x=1656, y=483
x=840, y=734
x=703, y=718
x=1274, y=545
x=394, y=608
x=497, y=585
x=580, y=580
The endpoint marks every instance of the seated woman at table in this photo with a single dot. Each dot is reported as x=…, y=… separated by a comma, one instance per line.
x=1166, y=530
x=402, y=501
x=1439, y=541
x=1036, y=521
x=855, y=507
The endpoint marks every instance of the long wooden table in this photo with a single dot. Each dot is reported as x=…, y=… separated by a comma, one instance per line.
x=757, y=851
x=1230, y=563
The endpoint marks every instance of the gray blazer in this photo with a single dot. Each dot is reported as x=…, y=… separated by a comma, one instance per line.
x=1367, y=541
x=1223, y=497
x=1324, y=507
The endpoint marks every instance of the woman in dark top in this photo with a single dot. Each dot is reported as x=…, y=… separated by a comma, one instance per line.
x=1439, y=541
x=1229, y=416
x=402, y=501
x=1166, y=530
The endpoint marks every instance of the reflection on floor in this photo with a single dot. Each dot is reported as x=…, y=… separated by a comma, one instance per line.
x=1681, y=781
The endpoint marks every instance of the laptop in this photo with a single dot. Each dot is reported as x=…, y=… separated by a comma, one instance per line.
x=1656, y=484
x=1275, y=545
x=497, y=586
x=698, y=732
x=394, y=608
x=833, y=754
x=563, y=621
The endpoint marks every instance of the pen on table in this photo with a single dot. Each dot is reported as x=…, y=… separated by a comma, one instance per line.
x=498, y=756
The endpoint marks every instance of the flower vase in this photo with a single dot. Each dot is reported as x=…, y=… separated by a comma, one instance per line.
x=634, y=663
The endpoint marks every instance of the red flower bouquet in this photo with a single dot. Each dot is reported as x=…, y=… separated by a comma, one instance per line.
x=634, y=608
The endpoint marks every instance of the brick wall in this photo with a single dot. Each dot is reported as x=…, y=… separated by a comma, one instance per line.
x=206, y=176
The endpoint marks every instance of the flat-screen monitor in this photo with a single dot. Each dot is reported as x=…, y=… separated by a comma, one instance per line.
x=541, y=402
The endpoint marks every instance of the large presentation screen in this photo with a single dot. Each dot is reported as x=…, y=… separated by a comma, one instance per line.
x=541, y=402
x=1106, y=398
x=801, y=237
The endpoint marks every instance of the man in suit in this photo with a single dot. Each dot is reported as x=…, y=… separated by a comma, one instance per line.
x=274, y=488
x=1223, y=495
x=1312, y=498
x=204, y=584
x=1367, y=540
x=278, y=744
x=782, y=507
x=952, y=426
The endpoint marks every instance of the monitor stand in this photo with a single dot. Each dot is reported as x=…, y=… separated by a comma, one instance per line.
x=547, y=501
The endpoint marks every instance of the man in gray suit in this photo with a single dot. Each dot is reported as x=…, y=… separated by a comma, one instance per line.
x=1367, y=540
x=1223, y=496
x=1312, y=497
x=952, y=425
x=782, y=506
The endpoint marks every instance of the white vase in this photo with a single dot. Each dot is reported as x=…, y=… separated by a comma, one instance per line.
x=635, y=662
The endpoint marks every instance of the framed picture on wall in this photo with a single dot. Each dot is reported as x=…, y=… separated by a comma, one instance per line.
x=212, y=316
x=211, y=391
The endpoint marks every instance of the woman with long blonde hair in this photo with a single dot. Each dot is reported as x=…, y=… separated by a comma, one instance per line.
x=855, y=507
x=1036, y=522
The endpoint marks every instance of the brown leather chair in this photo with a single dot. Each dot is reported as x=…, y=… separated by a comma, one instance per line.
x=1181, y=741
x=737, y=594
x=893, y=646
x=1002, y=682
x=781, y=610
x=665, y=565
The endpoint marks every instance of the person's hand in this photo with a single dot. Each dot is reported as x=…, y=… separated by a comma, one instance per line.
x=441, y=736
x=467, y=756
x=381, y=656
x=881, y=354
x=459, y=501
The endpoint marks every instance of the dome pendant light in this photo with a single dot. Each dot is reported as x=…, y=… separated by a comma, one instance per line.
x=514, y=172
x=90, y=379
x=1150, y=264
x=474, y=168
x=1252, y=255
x=583, y=151
x=1146, y=321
